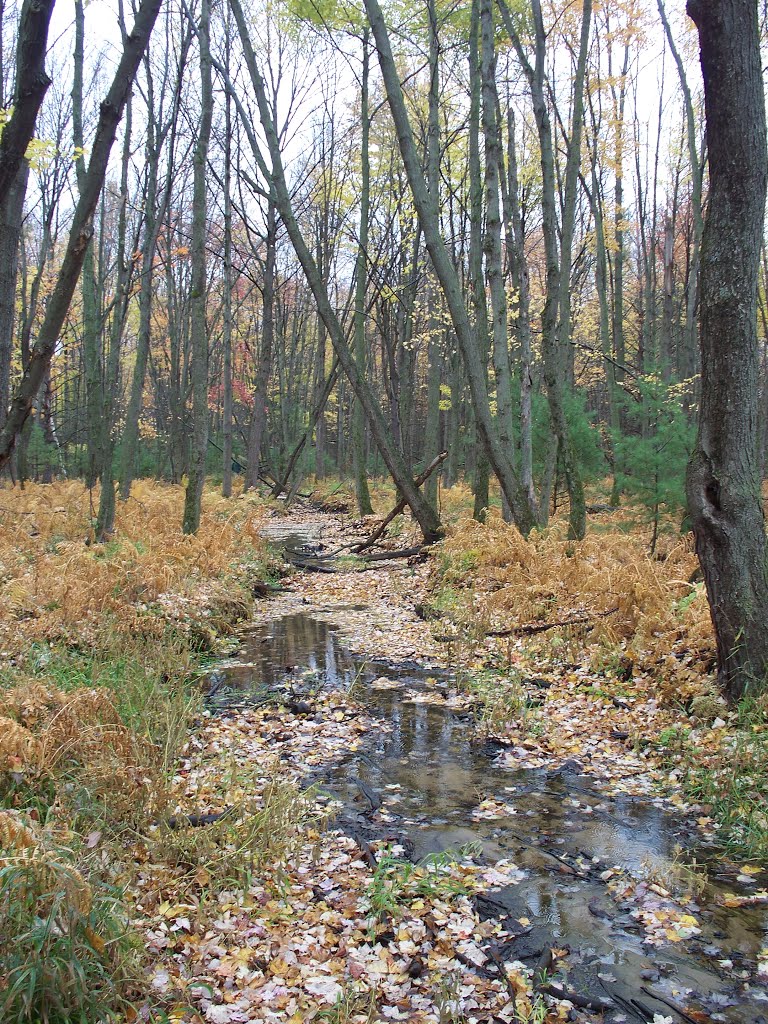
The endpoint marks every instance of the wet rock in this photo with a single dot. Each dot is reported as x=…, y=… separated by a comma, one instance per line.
x=650, y=975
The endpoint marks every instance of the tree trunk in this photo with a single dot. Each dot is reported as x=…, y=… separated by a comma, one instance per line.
x=446, y=272
x=553, y=356
x=481, y=477
x=82, y=228
x=226, y=474
x=31, y=86
x=360, y=469
x=199, y=326
x=264, y=367
x=106, y=518
x=492, y=240
x=91, y=319
x=723, y=484
x=11, y=212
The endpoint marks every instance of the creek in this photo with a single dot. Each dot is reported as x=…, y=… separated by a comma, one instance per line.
x=418, y=779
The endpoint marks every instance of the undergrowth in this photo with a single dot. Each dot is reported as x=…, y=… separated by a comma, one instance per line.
x=99, y=646
x=65, y=955
x=261, y=829
x=604, y=598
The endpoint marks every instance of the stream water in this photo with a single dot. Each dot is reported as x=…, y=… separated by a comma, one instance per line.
x=428, y=774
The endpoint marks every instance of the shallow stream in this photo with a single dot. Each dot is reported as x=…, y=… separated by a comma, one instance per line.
x=418, y=781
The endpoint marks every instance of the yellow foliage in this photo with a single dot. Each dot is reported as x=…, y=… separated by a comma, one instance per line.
x=56, y=584
x=45, y=872
x=17, y=745
x=81, y=730
x=644, y=604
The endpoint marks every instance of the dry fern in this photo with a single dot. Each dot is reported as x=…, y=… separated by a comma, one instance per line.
x=627, y=598
x=18, y=746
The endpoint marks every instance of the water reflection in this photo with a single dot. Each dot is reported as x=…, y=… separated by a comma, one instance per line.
x=431, y=779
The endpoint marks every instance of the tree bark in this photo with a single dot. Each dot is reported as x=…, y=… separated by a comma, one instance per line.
x=82, y=228
x=723, y=483
x=11, y=212
x=199, y=324
x=32, y=84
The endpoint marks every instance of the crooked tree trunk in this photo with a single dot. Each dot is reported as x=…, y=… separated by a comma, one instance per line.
x=31, y=86
x=423, y=512
x=446, y=272
x=723, y=484
x=82, y=228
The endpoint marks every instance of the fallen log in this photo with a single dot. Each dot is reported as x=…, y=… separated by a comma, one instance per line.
x=381, y=556
x=542, y=627
x=400, y=506
x=583, y=1002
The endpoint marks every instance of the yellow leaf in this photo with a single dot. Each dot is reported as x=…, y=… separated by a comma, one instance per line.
x=95, y=940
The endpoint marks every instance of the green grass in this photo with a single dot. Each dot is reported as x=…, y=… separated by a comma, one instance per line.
x=65, y=954
x=396, y=883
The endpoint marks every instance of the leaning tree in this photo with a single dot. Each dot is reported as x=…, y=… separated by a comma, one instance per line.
x=723, y=484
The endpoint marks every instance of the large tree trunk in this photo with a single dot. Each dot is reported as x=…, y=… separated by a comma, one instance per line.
x=31, y=86
x=723, y=483
x=11, y=211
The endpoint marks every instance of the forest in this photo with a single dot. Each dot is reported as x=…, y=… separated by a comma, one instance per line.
x=383, y=468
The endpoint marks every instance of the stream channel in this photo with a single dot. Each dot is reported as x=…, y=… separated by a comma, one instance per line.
x=416, y=780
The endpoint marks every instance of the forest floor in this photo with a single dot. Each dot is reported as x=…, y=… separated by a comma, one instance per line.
x=359, y=719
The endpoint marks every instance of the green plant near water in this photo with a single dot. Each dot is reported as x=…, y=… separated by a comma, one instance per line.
x=681, y=875
x=108, y=726
x=264, y=827
x=64, y=955
x=447, y=998
x=735, y=789
x=353, y=1003
x=397, y=882
x=501, y=700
